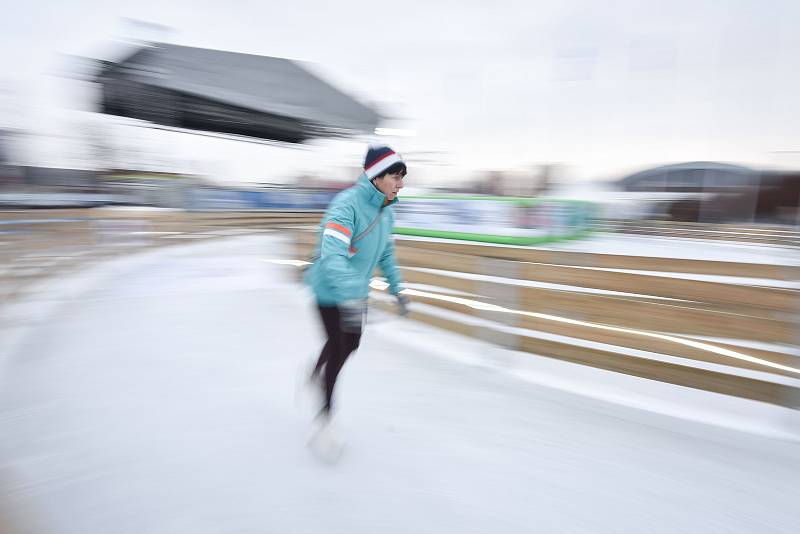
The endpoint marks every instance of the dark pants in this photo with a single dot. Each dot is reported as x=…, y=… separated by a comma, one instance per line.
x=336, y=350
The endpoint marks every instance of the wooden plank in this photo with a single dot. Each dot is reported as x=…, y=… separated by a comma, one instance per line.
x=672, y=317
x=433, y=320
x=159, y=215
x=677, y=288
x=630, y=313
x=441, y=280
x=436, y=260
x=782, y=358
x=627, y=339
x=611, y=261
x=696, y=290
x=732, y=385
x=675, y=318
x=302, y=251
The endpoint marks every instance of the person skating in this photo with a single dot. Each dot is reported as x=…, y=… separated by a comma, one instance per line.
x=355, y=237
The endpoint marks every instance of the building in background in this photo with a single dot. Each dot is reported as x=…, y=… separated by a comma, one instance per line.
x=716, y=192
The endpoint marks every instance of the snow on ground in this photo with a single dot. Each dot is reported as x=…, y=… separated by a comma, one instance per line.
x=157, y=393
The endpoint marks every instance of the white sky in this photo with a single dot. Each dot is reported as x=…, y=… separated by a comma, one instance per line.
x=601, y=87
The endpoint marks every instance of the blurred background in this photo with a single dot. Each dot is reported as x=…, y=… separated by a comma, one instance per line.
x=602, y=209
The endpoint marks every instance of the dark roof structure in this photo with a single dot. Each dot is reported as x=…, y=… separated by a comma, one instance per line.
x=230, y=93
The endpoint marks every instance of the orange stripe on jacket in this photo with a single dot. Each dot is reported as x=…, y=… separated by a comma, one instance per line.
x=339, y=227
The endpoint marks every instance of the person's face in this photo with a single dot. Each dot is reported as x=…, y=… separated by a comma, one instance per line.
x=390, y=184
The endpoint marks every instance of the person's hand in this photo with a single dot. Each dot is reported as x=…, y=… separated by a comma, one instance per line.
x=402, y=305
x=351, y=315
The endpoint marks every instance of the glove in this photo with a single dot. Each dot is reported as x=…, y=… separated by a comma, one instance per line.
x=351, y=315
x=402, y=305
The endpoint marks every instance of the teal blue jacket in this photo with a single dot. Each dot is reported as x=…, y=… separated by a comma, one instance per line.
x=342, y=269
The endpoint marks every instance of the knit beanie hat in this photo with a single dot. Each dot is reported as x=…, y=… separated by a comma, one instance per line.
x=379, y=158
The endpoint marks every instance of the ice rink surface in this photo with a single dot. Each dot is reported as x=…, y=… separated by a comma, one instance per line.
x=159, y=395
